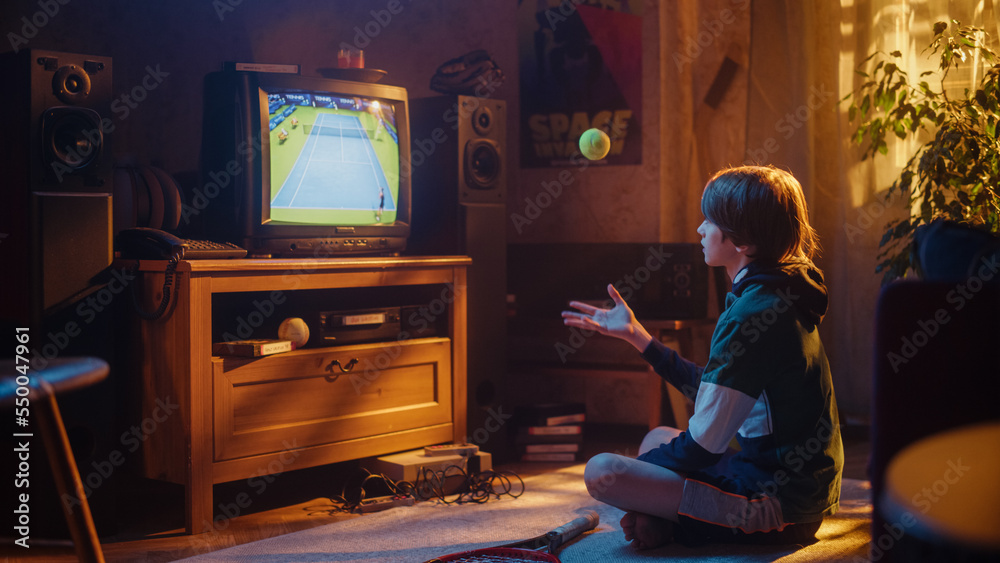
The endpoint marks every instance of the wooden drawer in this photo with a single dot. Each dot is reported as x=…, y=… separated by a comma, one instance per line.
x=305, y=398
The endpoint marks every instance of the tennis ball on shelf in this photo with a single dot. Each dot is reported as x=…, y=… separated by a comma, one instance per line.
x=294, y=329
x=595, y=144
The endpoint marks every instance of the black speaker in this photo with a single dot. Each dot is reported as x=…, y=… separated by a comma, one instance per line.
x=56, y=217
x=459, y=177
x=457, y=166
x=55, y=242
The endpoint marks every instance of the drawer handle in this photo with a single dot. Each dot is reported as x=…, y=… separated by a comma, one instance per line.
x=343, y=368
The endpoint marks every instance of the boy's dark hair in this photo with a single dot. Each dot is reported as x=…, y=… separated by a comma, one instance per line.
x=764, y=207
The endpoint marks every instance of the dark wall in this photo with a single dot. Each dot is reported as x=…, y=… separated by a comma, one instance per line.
x=162, y=50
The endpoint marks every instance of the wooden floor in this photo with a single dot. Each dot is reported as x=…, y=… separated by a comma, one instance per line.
x=149, y=522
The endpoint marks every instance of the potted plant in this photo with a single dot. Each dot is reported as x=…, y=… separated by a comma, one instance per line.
x=956, y=174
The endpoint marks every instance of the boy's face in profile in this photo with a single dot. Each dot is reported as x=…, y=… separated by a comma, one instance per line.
x=719, y=249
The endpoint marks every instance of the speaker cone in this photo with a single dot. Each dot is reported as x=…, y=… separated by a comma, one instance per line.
x=482, y=164
x=72, y=139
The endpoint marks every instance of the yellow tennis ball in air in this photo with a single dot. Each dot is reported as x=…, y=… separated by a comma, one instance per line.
x=595, y=144
x=294, y=329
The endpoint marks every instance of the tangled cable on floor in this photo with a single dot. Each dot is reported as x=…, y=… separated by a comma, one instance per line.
x=478, y=487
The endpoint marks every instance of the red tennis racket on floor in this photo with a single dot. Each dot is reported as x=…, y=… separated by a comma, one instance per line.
x=539, y=548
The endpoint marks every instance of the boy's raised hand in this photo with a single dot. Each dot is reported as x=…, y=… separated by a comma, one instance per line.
x=618, y=321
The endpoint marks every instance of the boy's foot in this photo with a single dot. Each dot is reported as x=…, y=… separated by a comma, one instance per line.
x=645, y=531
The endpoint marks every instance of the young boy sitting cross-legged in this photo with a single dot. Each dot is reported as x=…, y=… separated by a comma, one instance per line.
x=767, y=383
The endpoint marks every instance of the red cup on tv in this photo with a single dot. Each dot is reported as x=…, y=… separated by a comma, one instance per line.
x=344, y=58
x=357, y=58
x=350, y=58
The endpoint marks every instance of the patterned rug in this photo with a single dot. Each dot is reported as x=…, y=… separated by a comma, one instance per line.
x=428, y=529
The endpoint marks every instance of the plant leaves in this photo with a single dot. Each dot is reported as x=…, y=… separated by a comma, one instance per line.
x=887, y=101
x=982, y=99
x=955, y=175
x=905, y=179
x=899, y=129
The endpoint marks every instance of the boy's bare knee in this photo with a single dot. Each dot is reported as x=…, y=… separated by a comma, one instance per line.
x=657, y=436
x=601, y=473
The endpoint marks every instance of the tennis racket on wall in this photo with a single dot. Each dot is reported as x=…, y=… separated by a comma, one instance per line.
x=538, y=548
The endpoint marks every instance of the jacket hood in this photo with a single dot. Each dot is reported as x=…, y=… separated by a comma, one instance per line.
x=800, y=278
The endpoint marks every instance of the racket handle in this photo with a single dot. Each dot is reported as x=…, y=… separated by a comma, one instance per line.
x=556, y=538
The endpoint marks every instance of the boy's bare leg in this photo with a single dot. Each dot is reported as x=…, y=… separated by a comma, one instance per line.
x=634, y=486
x=649, y=494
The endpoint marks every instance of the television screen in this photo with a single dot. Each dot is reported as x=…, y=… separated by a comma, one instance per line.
x=319, y=166
x=334, y=158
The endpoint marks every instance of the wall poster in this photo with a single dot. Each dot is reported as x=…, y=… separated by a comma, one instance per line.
x=581, y=67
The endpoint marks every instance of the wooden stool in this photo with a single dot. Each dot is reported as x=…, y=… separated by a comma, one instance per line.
x=59, y=376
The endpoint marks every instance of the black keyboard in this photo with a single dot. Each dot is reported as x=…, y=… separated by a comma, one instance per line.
x=208, y=250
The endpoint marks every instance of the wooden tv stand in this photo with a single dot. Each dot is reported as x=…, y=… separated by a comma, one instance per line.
x=221, y=419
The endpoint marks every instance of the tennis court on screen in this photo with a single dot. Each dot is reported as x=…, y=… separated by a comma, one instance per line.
x=336, y=169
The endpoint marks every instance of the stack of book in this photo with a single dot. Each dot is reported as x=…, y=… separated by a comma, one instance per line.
x=550, y=432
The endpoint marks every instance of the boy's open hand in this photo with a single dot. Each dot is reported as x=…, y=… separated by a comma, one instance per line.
x=619, y=321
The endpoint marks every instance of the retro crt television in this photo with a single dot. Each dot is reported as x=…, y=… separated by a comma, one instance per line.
x=302, y=166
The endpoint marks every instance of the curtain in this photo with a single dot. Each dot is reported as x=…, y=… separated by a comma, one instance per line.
x=703, y=90
x=802, y=61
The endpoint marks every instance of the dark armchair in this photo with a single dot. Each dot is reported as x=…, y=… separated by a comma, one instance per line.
x=937, y=350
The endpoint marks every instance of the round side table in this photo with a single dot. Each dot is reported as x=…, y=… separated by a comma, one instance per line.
x=942, y=497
